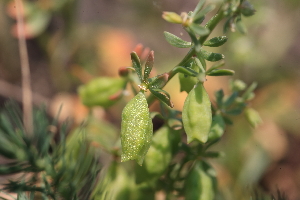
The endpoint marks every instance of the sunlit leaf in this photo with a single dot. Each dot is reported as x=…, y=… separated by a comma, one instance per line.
x=176, y=41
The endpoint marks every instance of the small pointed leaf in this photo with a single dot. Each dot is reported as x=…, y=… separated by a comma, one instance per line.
x=229, y=100
x=215, y=66
x=136, y=64
x=198, y=7
x=149, y=65
x=249, y=92
x=163, y=96
x=204, y=12
x=186, y=71
x=213, y=57
x=221, y=72
x=216, y=41
x=158, y=81
x=194, y=39
x=240, y=26
x=200, y=30
x=176, y=41
x=219, y=97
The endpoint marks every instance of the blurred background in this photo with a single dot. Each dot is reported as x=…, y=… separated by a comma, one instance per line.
x=70, y=42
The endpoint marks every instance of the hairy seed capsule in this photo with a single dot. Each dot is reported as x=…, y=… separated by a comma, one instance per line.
x=196, y=114
x=136, y=129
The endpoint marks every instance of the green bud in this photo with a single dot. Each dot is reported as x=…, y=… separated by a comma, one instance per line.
x=136, y=129
x=196, y=114
x=237, y=85
x=104, y=91
x=247, y=9
x=253, y=117
x=172, y=17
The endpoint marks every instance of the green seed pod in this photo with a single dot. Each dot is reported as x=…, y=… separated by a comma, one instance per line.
x=187, y=82
x=136, y=129
x=196, y=114
x=104, y=91
x=201, y=182
x=161, y=150
x=165, y=143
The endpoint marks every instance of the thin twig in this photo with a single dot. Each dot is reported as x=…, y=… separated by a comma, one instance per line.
x=14, y=92
x=26, y=87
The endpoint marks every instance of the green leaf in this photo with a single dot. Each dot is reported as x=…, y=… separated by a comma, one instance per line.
x=176, y=41
x=198, y=7
x=213, y=57
x=227, y=25
x=158, y=81
x=199, y=65
x=149, y=65
x=216, y=41
x=221, y=72
x=136, y=64
x=202, y=60
x=186, y=71
x=203, y=12
x=235, y=111
x=230, y=100
x=200, y=30
x=136, y=129
x=227, y=120
x=240, y=26
x=249, y=92
x=196, y=114
x=162, y=95
x=219, y=97
x=213, y=154
x=217, y=128
x=201, y=182
x=215, y=66
x=194, y=39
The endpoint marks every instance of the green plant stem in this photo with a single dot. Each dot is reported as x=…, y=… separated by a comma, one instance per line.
x=211, y=24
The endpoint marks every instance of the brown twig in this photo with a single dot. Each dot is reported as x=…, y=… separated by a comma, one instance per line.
x=26, y=87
